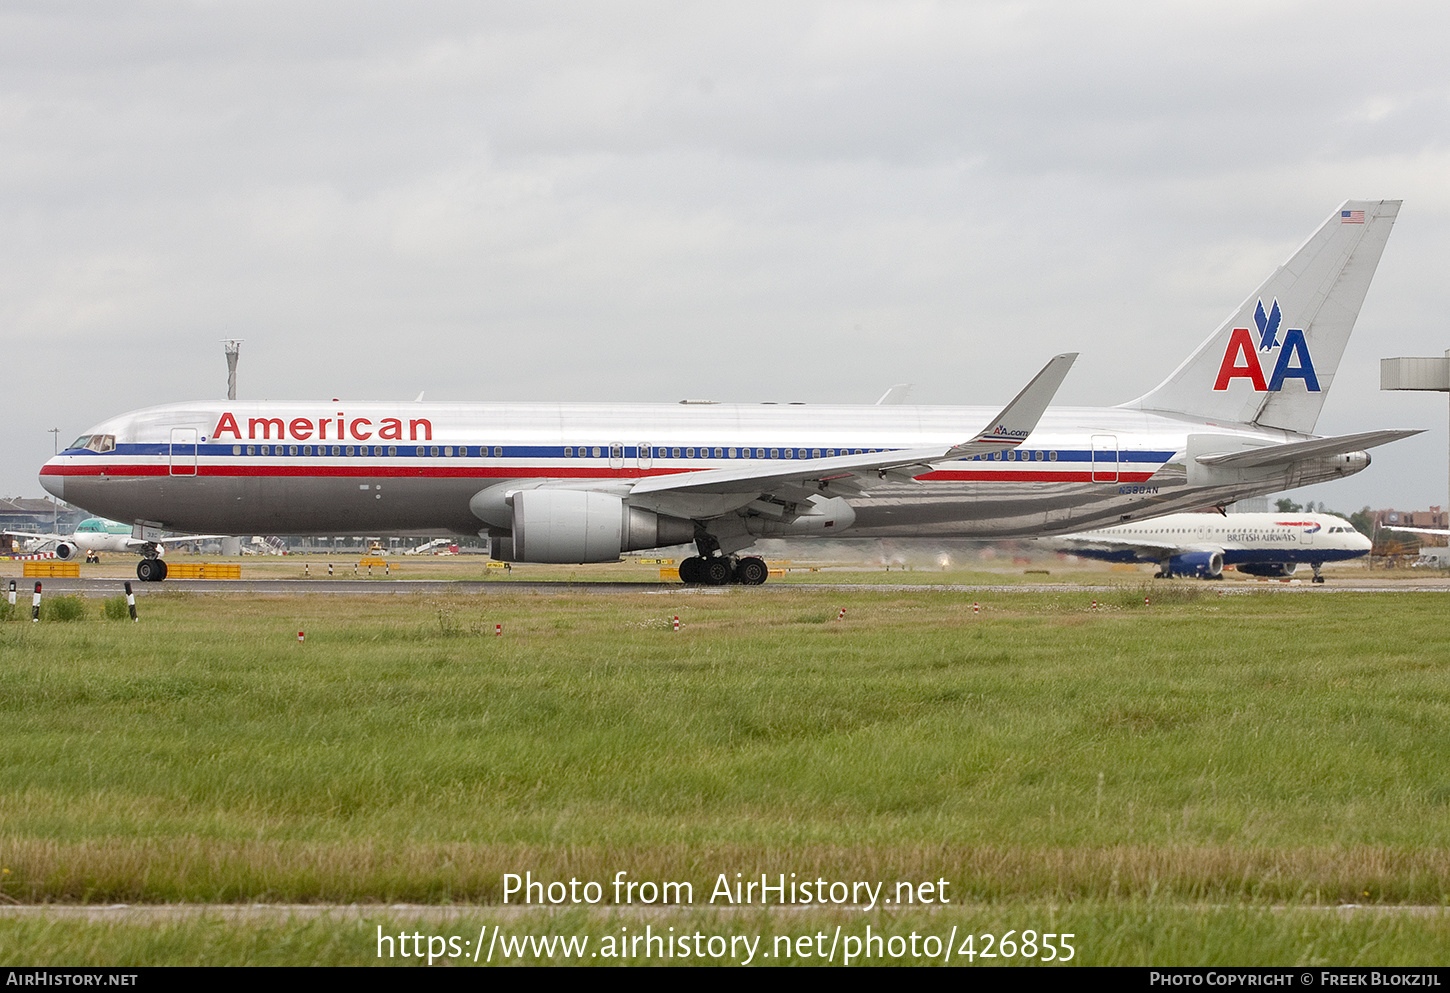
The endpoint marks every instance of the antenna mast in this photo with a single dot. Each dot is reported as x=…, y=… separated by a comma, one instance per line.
x=233, y=347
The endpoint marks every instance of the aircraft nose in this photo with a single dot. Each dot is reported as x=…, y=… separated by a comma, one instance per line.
x=52, y=480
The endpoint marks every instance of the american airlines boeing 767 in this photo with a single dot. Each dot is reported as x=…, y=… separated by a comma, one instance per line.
x=583, y=482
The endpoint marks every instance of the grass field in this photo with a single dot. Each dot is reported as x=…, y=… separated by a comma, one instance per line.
x=1166, y=774
x=967, y=568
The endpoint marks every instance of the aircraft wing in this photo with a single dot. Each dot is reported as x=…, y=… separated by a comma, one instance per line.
x=32, y=535
x=33, y=540
x=1296, y=451
x=137, y=544
x=1008, y=429
x=1151, y=549
x=1396, y=527
x=1143, y=550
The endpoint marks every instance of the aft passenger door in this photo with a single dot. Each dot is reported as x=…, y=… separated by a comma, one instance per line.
x=183, y=451
x=1105, y=458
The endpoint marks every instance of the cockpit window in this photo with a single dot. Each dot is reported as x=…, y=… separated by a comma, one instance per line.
x=96, y=442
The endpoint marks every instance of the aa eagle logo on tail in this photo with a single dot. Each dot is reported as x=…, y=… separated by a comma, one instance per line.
x=1241, y=359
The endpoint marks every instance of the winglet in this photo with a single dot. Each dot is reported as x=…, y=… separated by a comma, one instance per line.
x=1017, y=419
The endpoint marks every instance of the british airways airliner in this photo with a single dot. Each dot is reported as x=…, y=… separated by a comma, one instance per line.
x=1202, y=544
x=584, y=482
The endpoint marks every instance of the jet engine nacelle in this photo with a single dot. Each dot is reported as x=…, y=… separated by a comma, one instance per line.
x=1271, y=570
x=1204, y=565
x=568, y=526
x=67, y=550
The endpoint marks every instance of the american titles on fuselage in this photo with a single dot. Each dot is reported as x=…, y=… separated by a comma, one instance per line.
x=304, y=428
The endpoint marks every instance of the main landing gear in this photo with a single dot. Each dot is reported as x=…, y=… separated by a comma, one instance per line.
x=714, y=568
x=720, y=570
x=151, y=570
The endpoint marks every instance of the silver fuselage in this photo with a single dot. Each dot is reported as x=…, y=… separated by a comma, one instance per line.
x=392, y=468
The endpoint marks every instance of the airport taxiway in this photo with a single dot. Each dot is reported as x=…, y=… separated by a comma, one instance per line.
x=463, y=587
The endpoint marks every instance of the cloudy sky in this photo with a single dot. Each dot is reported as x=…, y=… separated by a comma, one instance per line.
x=739, y=201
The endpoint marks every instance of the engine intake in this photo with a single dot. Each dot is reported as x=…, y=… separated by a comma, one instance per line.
x=67, y=550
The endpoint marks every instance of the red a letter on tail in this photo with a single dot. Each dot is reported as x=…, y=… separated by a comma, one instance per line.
x=1240, y=344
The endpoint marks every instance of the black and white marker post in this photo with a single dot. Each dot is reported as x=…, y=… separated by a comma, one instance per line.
x=131, y=602
x=12, y=592
x=35, y=604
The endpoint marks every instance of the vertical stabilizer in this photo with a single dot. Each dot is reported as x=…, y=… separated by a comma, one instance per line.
x=1273, y=361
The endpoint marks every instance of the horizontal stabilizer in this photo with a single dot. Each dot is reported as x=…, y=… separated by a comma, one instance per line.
x=1297, y=451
